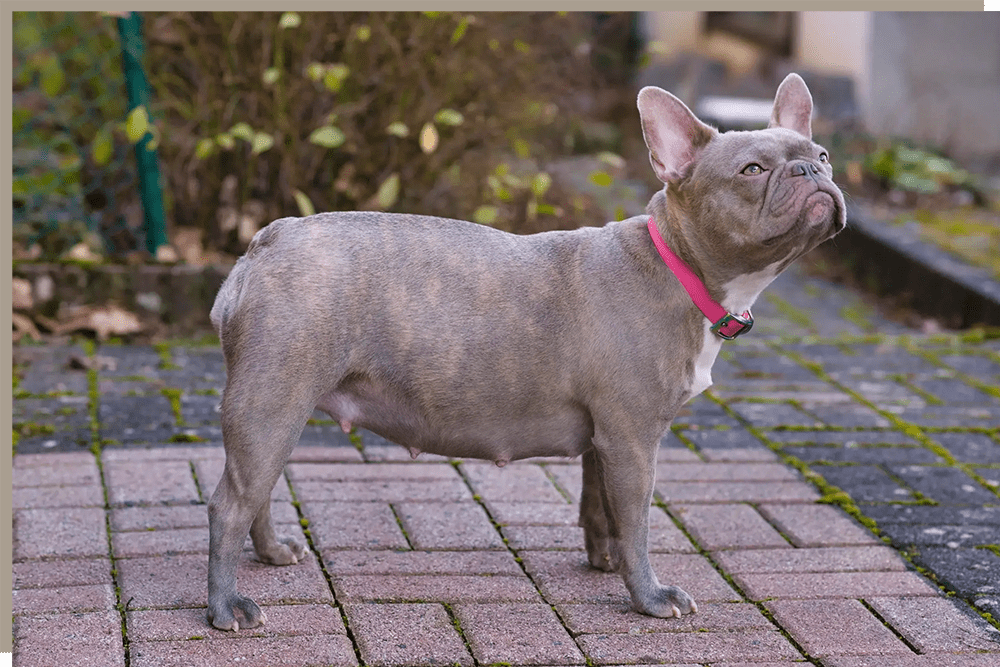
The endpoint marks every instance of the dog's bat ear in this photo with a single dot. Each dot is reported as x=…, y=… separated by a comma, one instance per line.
x=793, y=106
x=672, y=133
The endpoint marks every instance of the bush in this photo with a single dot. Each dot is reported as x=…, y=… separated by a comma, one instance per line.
x=268, y=115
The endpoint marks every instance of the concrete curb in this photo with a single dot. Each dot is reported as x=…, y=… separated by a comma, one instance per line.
x=895, y=261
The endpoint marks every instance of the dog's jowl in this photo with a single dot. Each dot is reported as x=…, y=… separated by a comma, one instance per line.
x=457, y=339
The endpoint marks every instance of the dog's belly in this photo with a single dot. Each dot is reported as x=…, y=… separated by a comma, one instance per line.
x=460, y=429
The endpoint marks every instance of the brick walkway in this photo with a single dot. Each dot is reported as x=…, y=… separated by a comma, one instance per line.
x=438, y=562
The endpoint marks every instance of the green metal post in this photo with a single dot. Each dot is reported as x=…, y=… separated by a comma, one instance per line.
x=130, y=30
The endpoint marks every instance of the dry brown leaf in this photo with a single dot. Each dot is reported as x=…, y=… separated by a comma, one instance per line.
x=21, y=294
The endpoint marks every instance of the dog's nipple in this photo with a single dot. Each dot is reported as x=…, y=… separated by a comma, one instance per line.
x=414, y=452
x=345, y=426
x=501, y=462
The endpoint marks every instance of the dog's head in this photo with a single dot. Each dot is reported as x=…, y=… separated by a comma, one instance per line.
x=746, y=199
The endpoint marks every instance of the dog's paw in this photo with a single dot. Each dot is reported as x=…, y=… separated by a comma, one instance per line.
x=286, y=552
x=666, y=601
x=235, y=612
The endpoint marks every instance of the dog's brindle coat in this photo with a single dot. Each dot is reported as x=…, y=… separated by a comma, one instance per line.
x=461, y=340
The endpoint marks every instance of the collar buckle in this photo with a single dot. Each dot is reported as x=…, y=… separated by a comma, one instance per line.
x=730, y=326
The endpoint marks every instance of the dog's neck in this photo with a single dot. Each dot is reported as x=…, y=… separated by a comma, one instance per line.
x=735, y=295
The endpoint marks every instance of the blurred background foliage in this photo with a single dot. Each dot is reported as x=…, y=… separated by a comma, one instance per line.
x=71, y=162
x=262, y=115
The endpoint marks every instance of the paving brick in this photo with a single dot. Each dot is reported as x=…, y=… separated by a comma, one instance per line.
x=934, y=624
x=517, y=481
x=78, y=474
x=83, y=640
x=181, y=581
x=393, y=492
x=453, y=526
x=63, y=599
x=544, y=537
x=566, y=576
x=421, y=562
x=180, y=541
x=517, y=634
x=623, y=619
x=569, y=477
x=73, y=532
x=769, y=415
x=347, y=472
x=342, y=525
x=835, y=627
x=308, y=651
x=188, y=624
x=132, y=483
x=817, y=525
x=59, y=573
x=43, y=497
x=832, y=585
x=696, y=647
x=747, y=454
x=325, y=454
x=828, y=559
x=72, y=459
x=213, y=452
x=933, y=660
x=405, y=634
x=735, y=492
x=725, y=472
x=433, y=588
x=728, y=527
x=517, y=513
x=679, y=454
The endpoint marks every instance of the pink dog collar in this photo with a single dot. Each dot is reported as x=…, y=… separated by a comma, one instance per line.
x=726, y=325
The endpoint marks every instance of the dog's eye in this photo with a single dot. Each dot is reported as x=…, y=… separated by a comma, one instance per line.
x=824, y=158
x=753, y=169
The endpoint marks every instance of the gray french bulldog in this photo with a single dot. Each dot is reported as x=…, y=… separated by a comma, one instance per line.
x=461, y=340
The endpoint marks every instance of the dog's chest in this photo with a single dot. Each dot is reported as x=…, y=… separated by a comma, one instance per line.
x=702, y=377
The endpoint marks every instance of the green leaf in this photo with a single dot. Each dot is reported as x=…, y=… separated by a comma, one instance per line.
x=20, y=117
x=601, y=178
x=51, y=75
x=241, y=131
x=137, y=124
x=261, y=142
x=363, y=33
x=448, y=117
x=290, y=20
x=315, y=71
x=460, y=31
x=225, y=140
x=305, y=205
x=27, y=37
x=540, y=184
x=388, y=192
x=432, y=15
x=486, y=215
x=521, y=47
x=327, y=136
x=270, y=75
x=204, y=148
x=428, y=138
x=398, y=129
x=546, y=209
x=522, y=148
x=335, y=76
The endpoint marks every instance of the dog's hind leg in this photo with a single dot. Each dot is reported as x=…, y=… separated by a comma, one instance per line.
x=593, y=518
x=260, y=429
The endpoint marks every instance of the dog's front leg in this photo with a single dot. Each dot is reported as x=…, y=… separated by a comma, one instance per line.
x=626, y=474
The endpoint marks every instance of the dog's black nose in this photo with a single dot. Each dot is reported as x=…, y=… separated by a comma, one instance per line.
x=803, y=168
